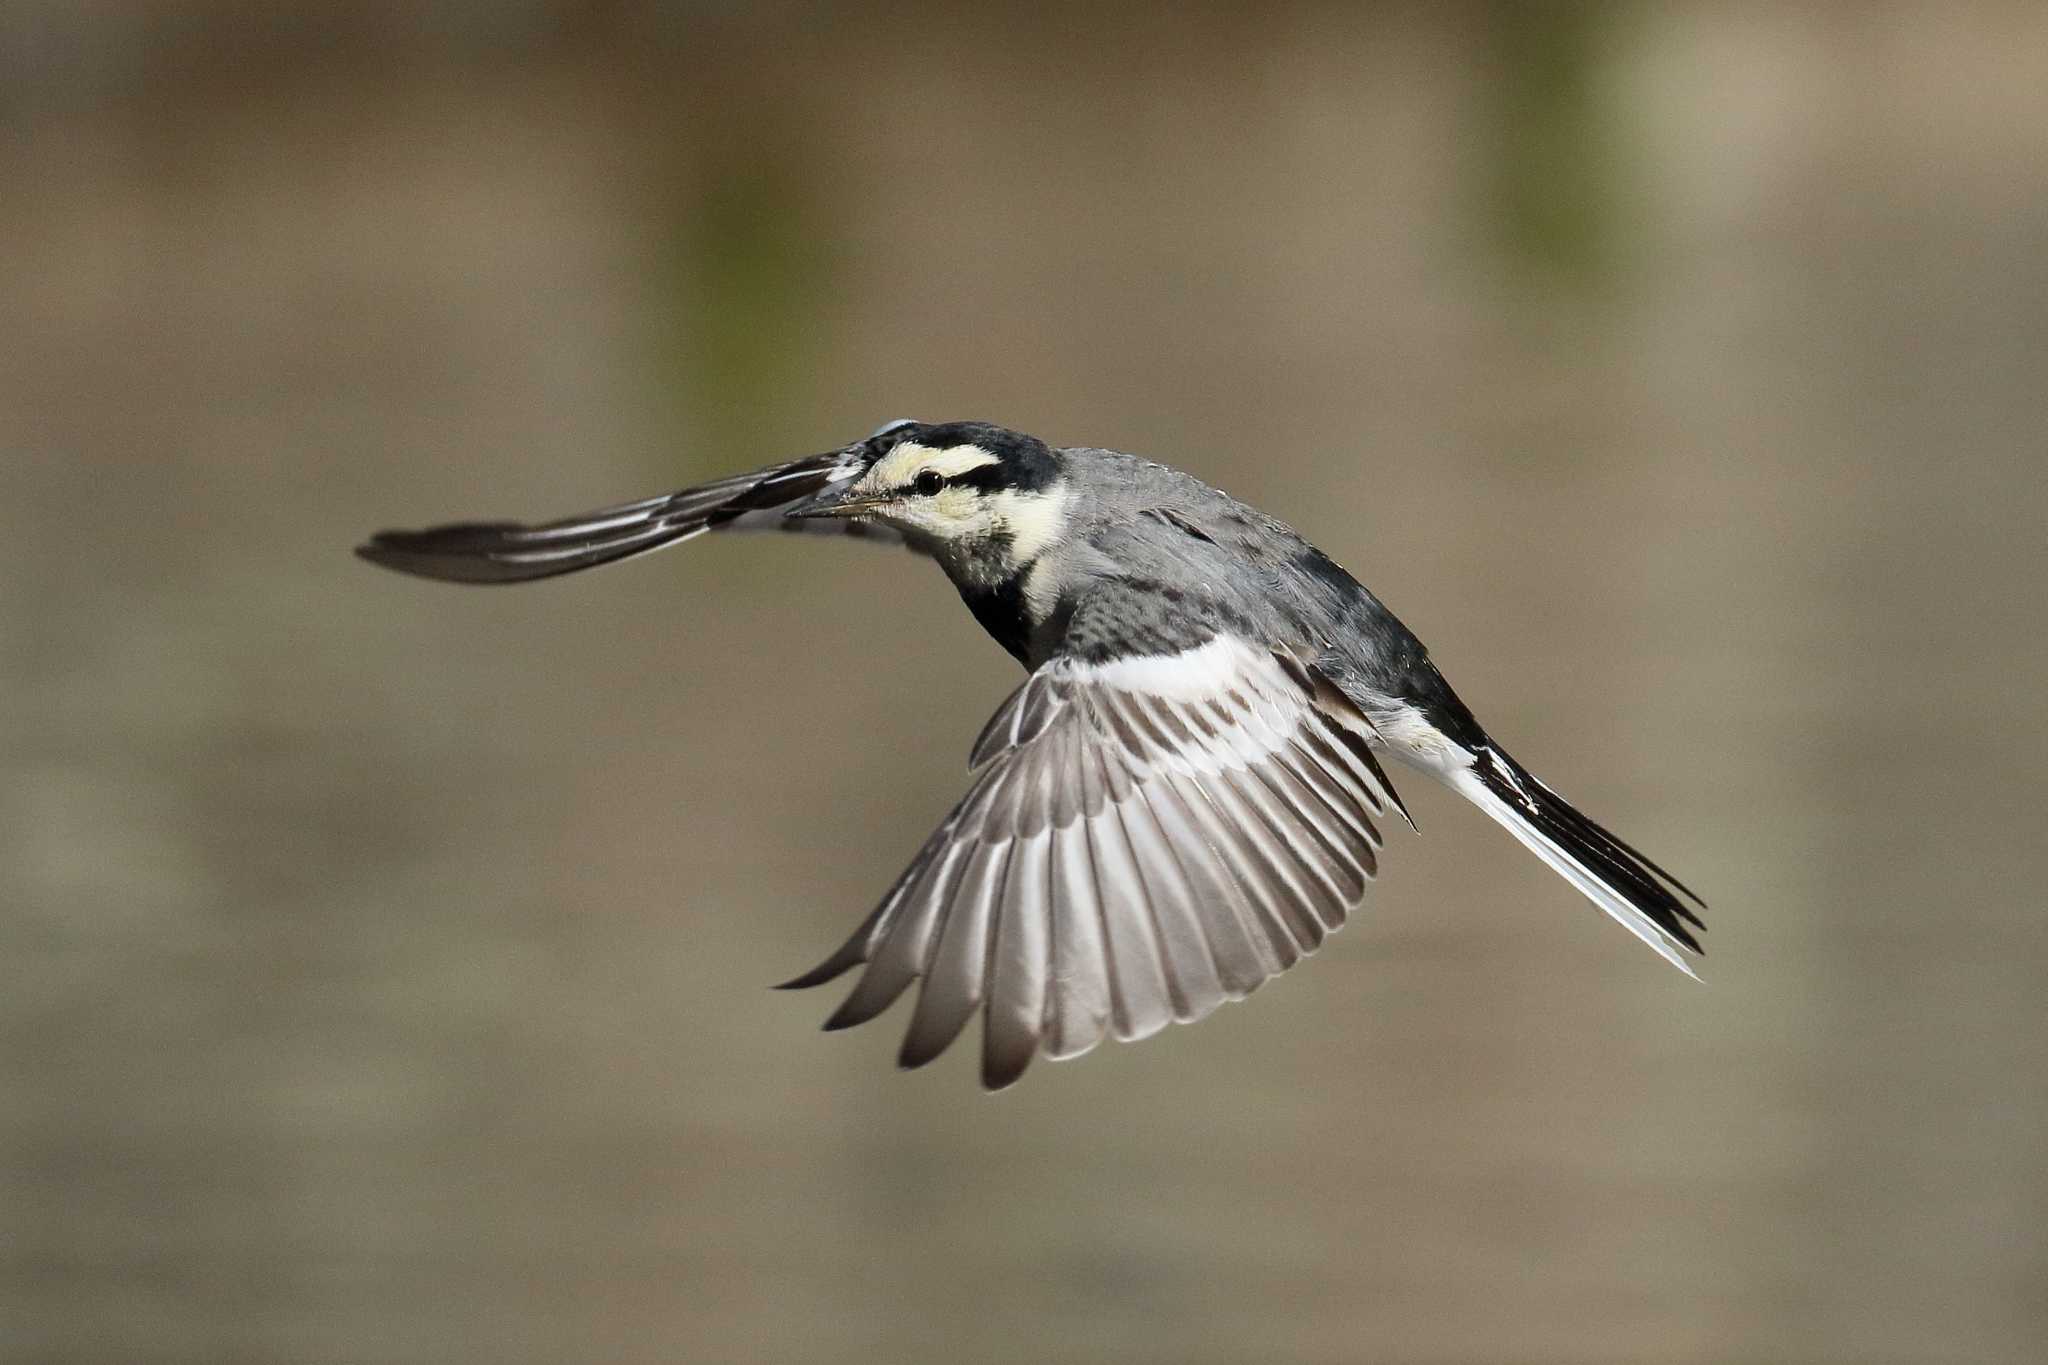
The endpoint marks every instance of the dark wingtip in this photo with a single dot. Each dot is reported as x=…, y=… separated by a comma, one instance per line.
x=858, y=1009
x=383, y=550
x=387, y=551
x=828, y=970
x=844, y=959
x=1002, y=1068
x=1387, y=785
x=375, y=550
x=921, y=1050
x=450, y=554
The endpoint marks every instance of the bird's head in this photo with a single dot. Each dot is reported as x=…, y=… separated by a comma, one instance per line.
x=986, y=501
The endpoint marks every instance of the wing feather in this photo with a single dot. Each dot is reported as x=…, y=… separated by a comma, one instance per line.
x=1018, y=963
x=1144, y=839
x=1251, y=878
x=1331, y=900
x=1080, y=994
x=902, y=955
x=1214, y=895
x=957, y=977
x=514, y=552
x=1144, y=998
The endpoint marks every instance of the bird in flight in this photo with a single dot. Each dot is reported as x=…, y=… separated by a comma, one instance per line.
x=1185, y=795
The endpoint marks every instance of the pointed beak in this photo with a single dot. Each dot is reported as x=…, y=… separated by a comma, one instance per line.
x=835, y=502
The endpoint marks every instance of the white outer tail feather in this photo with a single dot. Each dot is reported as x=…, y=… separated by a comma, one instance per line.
x=1466, y=782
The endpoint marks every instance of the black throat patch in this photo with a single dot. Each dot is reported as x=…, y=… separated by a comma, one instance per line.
x=1001, y=612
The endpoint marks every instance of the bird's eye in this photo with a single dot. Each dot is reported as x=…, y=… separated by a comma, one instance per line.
x=928, y=482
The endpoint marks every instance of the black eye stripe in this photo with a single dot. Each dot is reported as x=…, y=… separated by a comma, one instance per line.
x=1023, y=463
x=986, y=478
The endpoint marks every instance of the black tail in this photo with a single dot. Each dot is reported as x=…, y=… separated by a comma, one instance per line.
x=1643, y=897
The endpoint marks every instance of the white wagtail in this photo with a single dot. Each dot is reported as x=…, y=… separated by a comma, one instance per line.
x=1179, y=802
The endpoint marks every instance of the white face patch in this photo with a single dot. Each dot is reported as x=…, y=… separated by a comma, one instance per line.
x=1002, y=529
x=1034, y=520
x=903, y=464
x=1041, y=590
x=952, y=516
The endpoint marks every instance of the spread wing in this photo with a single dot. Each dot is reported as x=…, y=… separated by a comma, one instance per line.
x=1144, y=839
x=512, y=552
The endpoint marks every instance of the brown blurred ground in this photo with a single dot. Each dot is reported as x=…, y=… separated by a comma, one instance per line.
x=380, y=963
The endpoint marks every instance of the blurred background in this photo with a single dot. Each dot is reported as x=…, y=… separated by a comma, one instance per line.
x=382, y=963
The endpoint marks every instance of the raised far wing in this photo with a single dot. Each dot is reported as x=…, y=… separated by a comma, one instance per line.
x=1144, y=839
x=511, y=552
